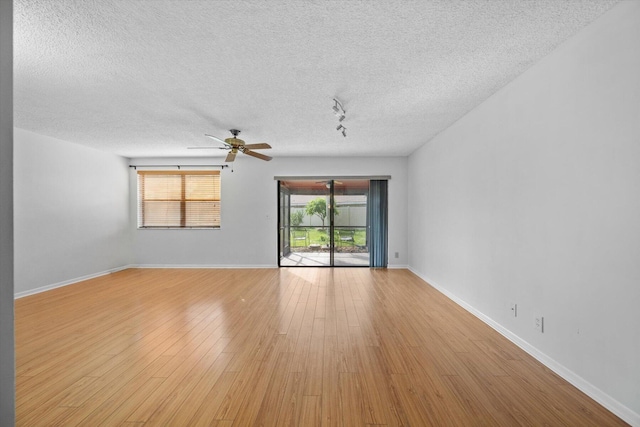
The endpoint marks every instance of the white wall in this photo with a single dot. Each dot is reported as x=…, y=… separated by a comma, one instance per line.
x=71, y=212
x=7, y=359
x=534, y=198
x=249, y=231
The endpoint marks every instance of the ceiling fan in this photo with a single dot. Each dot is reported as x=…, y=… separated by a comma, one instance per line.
x=328, y=183
x=235, y=144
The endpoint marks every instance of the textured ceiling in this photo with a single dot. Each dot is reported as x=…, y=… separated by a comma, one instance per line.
x=150, y=78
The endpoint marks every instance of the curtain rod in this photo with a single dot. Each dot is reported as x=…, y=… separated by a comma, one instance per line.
x=179, y=166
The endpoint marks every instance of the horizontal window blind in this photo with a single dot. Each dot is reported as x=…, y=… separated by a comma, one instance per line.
x=178, y=199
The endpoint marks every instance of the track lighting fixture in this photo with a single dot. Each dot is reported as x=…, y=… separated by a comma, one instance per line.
x=341, y=114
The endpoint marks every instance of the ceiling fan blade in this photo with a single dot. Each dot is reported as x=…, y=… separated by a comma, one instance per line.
x=207, y=148
x=216, y=138
x=256, y=155
x=230, y=157
x=257, y=146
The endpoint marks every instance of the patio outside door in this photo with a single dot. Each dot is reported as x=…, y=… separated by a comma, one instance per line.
x=323, y=223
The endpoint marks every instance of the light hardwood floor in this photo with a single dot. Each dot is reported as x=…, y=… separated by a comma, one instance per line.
x=275, y=347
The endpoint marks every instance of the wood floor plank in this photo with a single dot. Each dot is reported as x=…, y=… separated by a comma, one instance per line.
x=246, y=413
x=332, y=365
x=40, y=388
x=411, y=410
x=274, y=396
x=253, y=381
x=352, y=399
x=196, y=397
x=267, y=347
x=290, y=410
x=218, y=396
x=185, y=373
x=107, y=394
x=471, y=402
x=303, y=335
x=315, y=360
x=311, y=413
x=427, y=384
x=115, y=411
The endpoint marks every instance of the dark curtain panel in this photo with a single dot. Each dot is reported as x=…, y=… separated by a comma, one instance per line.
x=377, y=211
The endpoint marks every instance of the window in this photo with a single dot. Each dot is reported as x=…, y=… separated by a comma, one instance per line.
x=177, y=199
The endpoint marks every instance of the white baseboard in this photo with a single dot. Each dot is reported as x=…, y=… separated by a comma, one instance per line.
x=68, y=282
x=577, y=381
x=201, y=266
x=397, y=267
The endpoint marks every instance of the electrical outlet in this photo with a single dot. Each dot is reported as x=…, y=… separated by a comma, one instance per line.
x=539, y=323
x=514, y=309
x=397, y=254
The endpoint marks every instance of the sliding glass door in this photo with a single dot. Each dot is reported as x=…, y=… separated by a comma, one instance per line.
x=323, y=222
x=350, y=228
x=284, y=202
x=305, y=217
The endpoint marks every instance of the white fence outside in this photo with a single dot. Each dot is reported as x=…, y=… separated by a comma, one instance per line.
x=348, y=216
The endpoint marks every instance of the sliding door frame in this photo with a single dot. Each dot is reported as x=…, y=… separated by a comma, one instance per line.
x=331, y=209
